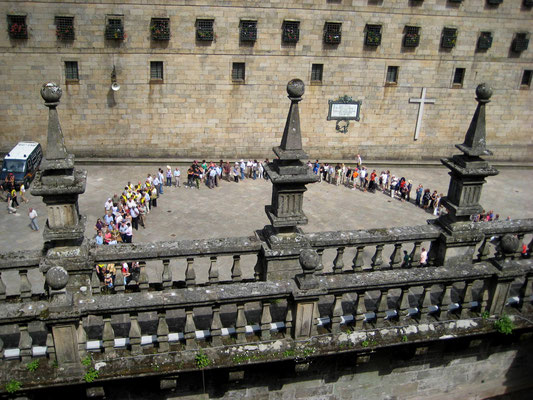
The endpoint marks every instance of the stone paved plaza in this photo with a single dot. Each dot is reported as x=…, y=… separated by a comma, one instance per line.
x=238, y=209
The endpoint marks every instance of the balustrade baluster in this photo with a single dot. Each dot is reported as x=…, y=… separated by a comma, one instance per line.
x=484, y=249
x=447, y=302
x=119, y=279
x=377, y=260
x=266, y=320
x=25, y=343
x=288, y=321
x=143, y=277
x=236, y=274
x=213, y=270
x=530, y=247
x=396, y=256
x=432, y=253
x=95, y=283
x=25, y=285
x=50, y=347
x=338, y=262
x=162, y=332
x=382, y=307
x=1, y=349
x=404, y=304
x=81, y=336
x=216, y=327
x=415, y=255
x=527, y=299
x=361, y=310
x=467, y=301
x=166, y=277
x=135, y=334
x=190, y=274
x=258, y=269
x=190, y=330
x=484, y=297
x=518, y=253
x=336, y=314
x=320, y=266
x=425, y=303
x=2, y=288
x=358, y=260
x=108, y=336
x=240, y=326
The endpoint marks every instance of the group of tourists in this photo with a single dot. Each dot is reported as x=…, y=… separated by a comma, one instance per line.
x=9, y=192
x=107, y=273
x=212, y=173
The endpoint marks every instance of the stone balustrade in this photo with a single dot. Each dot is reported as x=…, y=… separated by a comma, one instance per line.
x=15, y=268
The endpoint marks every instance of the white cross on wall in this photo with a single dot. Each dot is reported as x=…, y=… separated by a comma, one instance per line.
x=421, y=101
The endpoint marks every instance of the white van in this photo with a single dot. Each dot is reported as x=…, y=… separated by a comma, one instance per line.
x=22, y=161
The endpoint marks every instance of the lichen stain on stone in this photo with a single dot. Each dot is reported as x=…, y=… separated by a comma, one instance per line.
x=466, y=323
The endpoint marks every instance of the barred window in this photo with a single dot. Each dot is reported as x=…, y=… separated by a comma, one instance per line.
x=71, y=70
x=64, y=28
x=291, y=31
x=526, y=78
x=392, y=75
x=458, y=77
x=238, y=72
x=316, y=73
x=248, y=31
x=332, y=32
x=17, y=27
x=156, y=70
x=160, y=28
x=204, y=29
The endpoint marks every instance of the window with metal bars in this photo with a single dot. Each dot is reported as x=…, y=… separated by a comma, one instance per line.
x=160, y=28
x=114, y=29
x=248, y=31
x=449, y=38
x=526, y=78
x=458, y=77
x=71, y=71
x=17, y=28
x=291, y=31
x=238, y=72
x=64, y=28
x=316, y=73
x=412, y=36
x=332, y=32
x=373, y=35
x=484, y=42
x=520, y=42
x=156, y=70
x=204, y=29
x=392, y=75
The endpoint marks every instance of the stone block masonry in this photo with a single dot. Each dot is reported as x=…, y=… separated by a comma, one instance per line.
x=197, y=111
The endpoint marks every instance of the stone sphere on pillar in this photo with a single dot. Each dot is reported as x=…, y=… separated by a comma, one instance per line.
x=295, y=88
x=483, y=92
x=51, y=92
x=57, y=278
x=309, y=260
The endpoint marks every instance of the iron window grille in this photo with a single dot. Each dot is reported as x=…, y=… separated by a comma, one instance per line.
x=520, y=42
x=458, y=77
x=156, y=70
x=114, y=29
x=17, y=28
x=317, y=71
x=65, y=28
x=392, y=75
x=412, y=36
x=332, y=32
x=526, y=78
x=71, y=71
x=449, y=38
x=248, y=31
x=373, y=35
x=484, y=42
x=238, y=72
x=204, y=30
x=160, y=28
x=528, y=3
x=291, y=31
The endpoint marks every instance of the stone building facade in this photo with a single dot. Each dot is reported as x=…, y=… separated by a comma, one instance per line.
x=184, y=97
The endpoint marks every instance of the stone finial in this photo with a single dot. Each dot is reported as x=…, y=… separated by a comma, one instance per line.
x=309, y=260
x=291, y=142
x=475, y=139
x=55, y=146
x=57, y=277
x=509, y=244
x=295, y=88
x=51, y=93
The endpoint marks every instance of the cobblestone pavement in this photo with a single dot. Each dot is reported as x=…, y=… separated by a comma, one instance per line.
x=237, y=209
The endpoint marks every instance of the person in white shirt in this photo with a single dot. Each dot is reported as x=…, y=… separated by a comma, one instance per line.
x=33, y=219
x=177, y=175
x=423, y=257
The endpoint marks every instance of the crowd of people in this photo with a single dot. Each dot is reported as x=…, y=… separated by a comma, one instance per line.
x=9, y=192
x=211, y=173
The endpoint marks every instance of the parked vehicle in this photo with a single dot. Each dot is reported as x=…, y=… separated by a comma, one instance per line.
x=22, y=162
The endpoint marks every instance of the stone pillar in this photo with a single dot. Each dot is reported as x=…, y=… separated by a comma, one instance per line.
x=468, y=172
x=289, y=176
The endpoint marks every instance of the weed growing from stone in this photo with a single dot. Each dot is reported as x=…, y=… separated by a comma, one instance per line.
x=405, y=338
x=32, y=366
x=91, y=375
x=365, y=343
x=13, y=386
x=87, y=361
x=485, y=315
x=504, y=325
x=202, y=361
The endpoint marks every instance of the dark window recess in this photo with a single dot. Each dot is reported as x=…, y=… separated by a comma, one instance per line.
x=114, y=29
x=316, y=72
x=458, y=76
x=71, y=70
x=238, y=72
x=528, y=3
x=373, y=35
x=520, y=42
x=160, y=28
x=526, y=78
x=392, y=74
x=494, y=2
x=17, y=26
x=291, y=31
x=484, y=42
x=412, y=36
x=156, y=70
x=455, y=1
x=248, y=31
x=204, y=30
x=332, y=32
x=65, y=28
x=449, y=38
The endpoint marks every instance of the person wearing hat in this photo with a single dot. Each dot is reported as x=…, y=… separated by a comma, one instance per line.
x=169, y=176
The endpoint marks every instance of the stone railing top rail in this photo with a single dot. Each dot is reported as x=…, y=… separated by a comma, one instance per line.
x=20, y=259
x=501, y=227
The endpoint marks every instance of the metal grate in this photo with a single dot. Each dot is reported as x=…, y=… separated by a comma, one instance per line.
x=156, y=70
x=332, y=32
x=412, y=36
x=484, y=42
x=160, y=28
x=392, y=74
x=291, y=31
x=114, y=29
x=316, y=72
x=458, y=76
x=526, y=77
x=204, y=29
x=449, y=38
x=248, y=31
x=373, y=35
x=17, y=27
x=520, y=42
x=71, y=70
x=238, y=72
x=65, y=28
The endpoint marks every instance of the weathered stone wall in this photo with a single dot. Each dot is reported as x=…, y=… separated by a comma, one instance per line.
x=199, y=112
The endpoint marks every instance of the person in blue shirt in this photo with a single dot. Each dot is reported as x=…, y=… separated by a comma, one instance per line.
x=99, y=239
